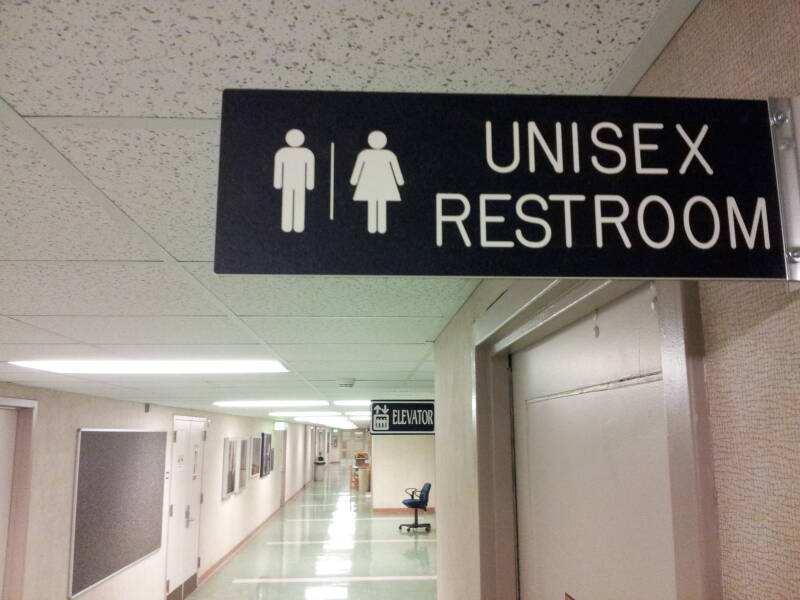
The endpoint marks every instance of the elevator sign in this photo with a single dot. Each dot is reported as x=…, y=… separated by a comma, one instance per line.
x=402, y=417
x=345, y=183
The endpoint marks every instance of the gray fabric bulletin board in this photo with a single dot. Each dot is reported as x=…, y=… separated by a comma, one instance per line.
x=119, y=497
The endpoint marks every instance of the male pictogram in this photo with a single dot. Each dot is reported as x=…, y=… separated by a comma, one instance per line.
x=294, y=174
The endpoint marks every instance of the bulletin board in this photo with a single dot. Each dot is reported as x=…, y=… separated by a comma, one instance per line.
x=118, y=505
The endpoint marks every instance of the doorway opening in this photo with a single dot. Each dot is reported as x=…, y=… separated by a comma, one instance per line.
x=593, y=388
x=17, y=419
x=185, y=497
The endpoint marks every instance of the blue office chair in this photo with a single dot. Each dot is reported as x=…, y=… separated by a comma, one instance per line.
x=418, y=500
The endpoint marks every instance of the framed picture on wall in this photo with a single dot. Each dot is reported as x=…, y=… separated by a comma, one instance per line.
x=244, y=464
x=230, y=469
x=255, y=456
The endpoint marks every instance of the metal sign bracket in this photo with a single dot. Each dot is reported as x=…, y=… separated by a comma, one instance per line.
x=784, y=114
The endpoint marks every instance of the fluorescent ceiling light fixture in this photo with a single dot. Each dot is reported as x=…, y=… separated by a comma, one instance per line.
x=270, y=403
x=358, y=413
x=153, y=367
x=338, y=422
x=281, y=426
x=360, y=418
x=352, y=402
x=308, y=413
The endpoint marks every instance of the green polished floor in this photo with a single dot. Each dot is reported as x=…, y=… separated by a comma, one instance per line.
x=327, y=544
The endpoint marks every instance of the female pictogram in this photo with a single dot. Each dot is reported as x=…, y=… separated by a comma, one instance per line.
x=376, y=176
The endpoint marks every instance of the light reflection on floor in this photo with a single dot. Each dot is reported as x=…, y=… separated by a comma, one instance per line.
x=327, y=544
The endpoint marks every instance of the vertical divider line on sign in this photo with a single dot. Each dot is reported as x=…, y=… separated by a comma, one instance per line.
x=331, y=193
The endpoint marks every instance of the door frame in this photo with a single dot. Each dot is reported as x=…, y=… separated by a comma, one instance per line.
x=20, y=496
x=206, y=422
x=529, y=311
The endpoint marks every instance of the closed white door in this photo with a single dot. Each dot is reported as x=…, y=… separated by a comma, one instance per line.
x=593, y=487
x=185, y=498
x=8, y=432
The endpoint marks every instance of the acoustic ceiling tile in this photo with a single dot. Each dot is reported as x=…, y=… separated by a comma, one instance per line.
x=94, y=389
x=336, y=296
x=403, y=395
x=367, y=386
x=99, y=288
x=44, y=217
x=328, y=378
x=9, y=352
x=254, y=379
x=15, y=332
x=355, y=330
x=145, y=330
x=353, y=352
x=222, y=395
x=165, y=180
x=25, y=376
x=255, y=390
x=344, y=367
x=190, y=352
x=150, y=57
x=423, y=376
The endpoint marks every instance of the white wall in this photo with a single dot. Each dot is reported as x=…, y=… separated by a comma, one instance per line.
x=59, y=416
x=399, y=462
x=224, y=523
x=295, y=459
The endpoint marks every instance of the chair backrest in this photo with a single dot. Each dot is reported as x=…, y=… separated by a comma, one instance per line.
x=423, y=495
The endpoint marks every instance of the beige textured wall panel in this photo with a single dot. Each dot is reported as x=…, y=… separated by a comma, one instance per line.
x=746, y=48
x=400, y=462
x=458, y=558
x=753, y=382
x=59, y=417
x=731, y=49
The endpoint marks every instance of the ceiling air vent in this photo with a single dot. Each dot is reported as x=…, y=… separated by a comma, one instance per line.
x=346, y=382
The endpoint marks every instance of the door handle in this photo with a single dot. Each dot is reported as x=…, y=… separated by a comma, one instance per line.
x=188, y=514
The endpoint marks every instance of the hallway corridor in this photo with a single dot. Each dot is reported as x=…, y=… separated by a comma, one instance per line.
x=327, y=544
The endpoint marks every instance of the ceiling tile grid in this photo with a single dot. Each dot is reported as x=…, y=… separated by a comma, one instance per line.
x=287, y=295
x=143, y=330
x=13, y=331
x=172, y=59
x=43, y=217
x=352, y=330
x=98, y=288
x=166, y=180
x=85, y=282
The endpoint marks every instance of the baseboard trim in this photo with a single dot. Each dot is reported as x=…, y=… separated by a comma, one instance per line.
x=402, y=511
x=295, y=495
x=217, y=565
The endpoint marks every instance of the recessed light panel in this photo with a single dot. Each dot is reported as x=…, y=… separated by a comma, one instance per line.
x=337, y=422
x=352, y=402
x=308, y=413
x=153, y=367
x=270, y=403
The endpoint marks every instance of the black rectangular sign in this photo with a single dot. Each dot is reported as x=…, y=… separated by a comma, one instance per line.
x=347, y=183
x=402, y=417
